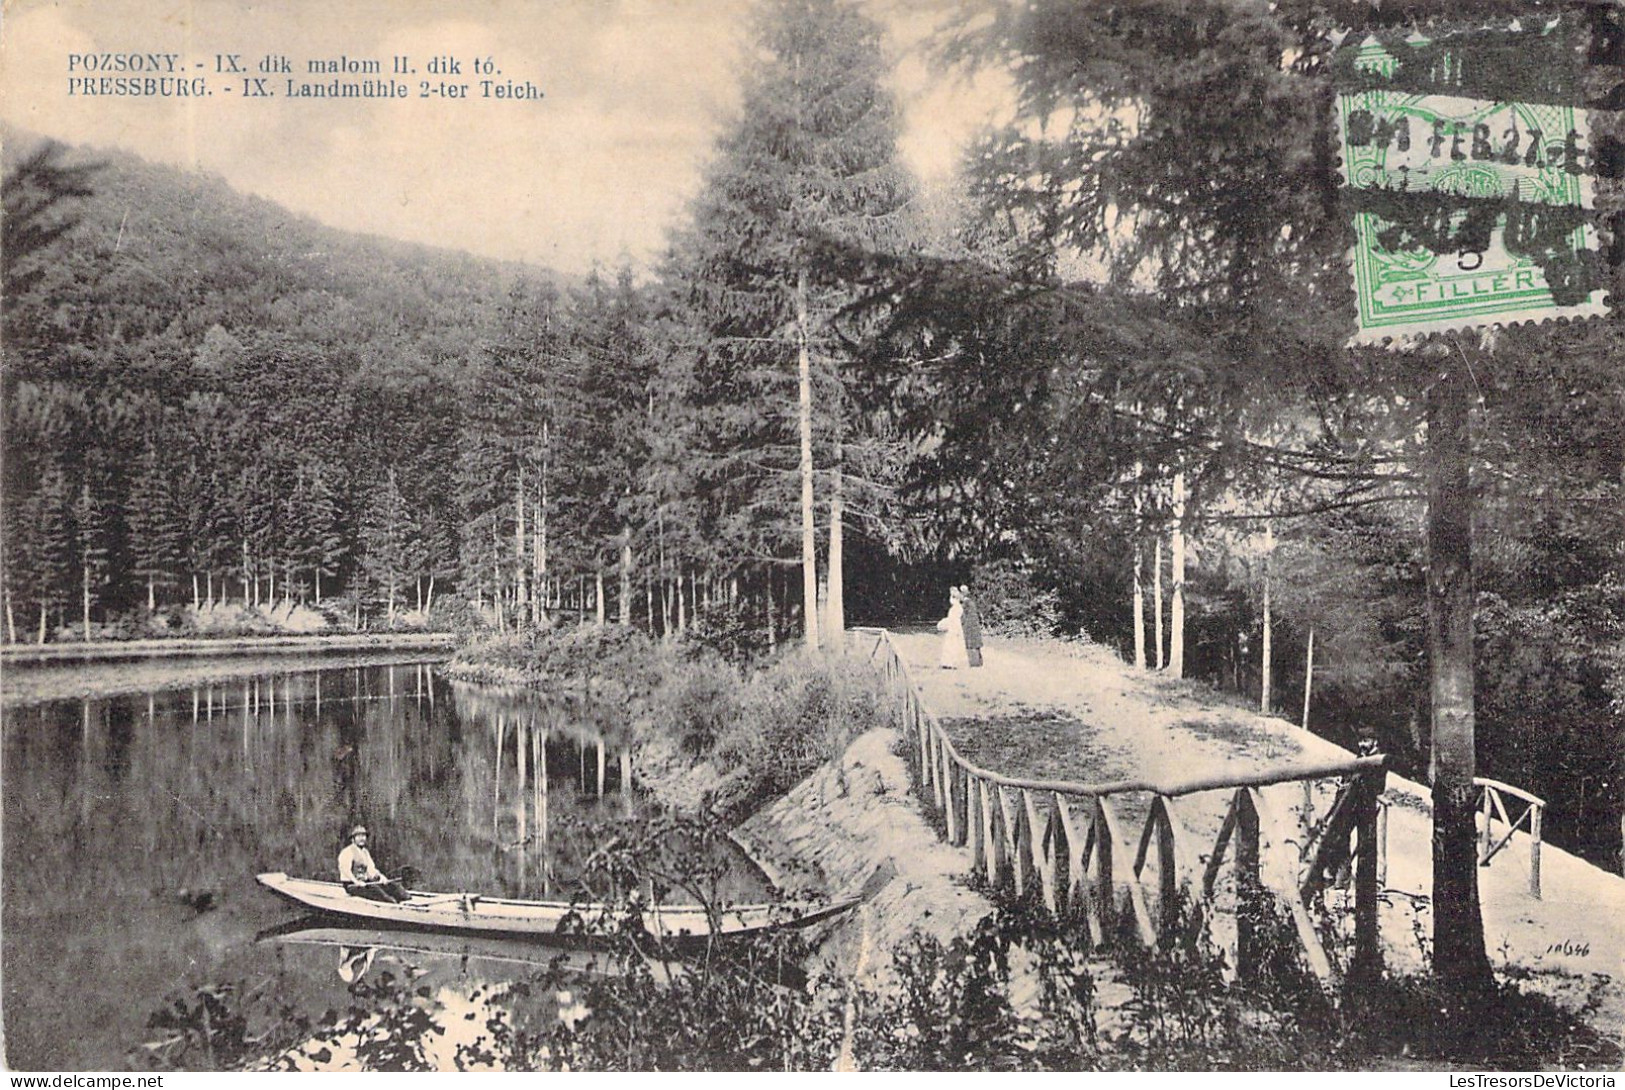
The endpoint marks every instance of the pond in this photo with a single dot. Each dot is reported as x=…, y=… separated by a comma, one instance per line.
x=134, y=824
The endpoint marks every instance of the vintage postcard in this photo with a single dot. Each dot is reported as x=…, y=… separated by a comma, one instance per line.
x=811, y=535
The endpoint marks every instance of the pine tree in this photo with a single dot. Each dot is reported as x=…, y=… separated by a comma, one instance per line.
x=313, y=518
x=155, y=524
x=391, y=549
x=809, y=171
x=89, y=548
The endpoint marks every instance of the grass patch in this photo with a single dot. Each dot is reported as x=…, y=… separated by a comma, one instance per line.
x=1036, y=744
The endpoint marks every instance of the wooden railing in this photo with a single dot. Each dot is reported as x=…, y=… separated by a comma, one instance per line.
x=1067, y=843
x=1493, y=804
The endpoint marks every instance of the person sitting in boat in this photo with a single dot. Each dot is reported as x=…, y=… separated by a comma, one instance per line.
x=361, y=876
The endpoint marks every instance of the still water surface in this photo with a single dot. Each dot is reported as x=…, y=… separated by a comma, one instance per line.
x=134, y=825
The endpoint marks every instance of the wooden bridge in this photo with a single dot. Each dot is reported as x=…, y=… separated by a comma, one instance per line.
x=1122, y=859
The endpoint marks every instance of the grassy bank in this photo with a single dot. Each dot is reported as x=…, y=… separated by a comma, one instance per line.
x=708, y=732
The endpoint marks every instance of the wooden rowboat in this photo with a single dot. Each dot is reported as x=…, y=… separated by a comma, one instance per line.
x=559, y=921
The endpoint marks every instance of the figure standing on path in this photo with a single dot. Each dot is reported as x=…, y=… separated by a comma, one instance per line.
x=972, y=623
x=953, y=634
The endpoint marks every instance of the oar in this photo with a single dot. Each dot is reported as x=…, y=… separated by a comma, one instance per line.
x=441, y=898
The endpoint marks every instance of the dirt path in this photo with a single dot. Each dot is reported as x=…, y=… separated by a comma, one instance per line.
x=1081, y=714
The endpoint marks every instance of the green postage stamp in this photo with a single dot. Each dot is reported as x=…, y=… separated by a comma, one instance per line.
x=1467, y=210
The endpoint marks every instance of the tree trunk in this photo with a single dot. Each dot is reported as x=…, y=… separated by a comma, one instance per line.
x=11, y=619
x=626, y=577
x=152, y=596
x=85, y=583
x=598, y=595
x=1458, y=927
x=1264, y=646
x=539, y=540
x=772, y=621
x=1176, y=608
x=1308, y=675
x=1156, y=601
x=521, y=601
x=247, y=591
x=835, y=613
x=496, y=578
x=809, y=544
x=1139, y=605
x=43, y=608
x=196, y=604
x=1139, y=566
x=682, y=609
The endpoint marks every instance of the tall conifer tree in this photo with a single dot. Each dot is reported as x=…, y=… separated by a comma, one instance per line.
x=809, y=169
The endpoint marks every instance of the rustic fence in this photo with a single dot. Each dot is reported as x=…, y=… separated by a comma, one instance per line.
x=1493, y=804
x=1070, y=844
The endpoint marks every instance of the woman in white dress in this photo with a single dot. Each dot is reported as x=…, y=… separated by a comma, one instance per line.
x=952, y=628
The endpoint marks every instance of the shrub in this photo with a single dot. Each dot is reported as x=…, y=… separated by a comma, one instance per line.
x=727, y=631
x=698, y=703
x=795, y=714
x=950, y=1009
x=1010, y=604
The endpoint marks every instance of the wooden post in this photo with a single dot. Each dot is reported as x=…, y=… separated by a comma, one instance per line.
x=923, y=747
x=939, y=789
x=962, y=803
x=1367, y=939
x=1382, y=843
x=1534, y=851
x=928, y=772
x=1249, y=888
x=975, y=821
x=992, y=837
x=1018, y=837
x=1167, y=874
x=1105, y=893
x=1037, y=859
x=1484, y=837
x=1053, y=868
x=1074, y=856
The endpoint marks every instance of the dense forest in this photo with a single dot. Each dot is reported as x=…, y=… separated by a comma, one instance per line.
x=836, y=395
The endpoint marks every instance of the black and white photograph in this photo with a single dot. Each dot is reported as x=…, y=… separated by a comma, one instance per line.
x=812, y=536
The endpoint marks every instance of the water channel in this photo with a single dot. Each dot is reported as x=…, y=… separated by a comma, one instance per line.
x=134, y=824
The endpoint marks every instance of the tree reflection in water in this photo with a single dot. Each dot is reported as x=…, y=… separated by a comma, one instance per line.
x=134, y=824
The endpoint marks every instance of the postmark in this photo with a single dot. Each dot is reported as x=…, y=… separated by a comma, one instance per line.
x=1468, y=209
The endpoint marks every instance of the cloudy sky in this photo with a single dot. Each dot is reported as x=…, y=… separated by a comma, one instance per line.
x=636, y=92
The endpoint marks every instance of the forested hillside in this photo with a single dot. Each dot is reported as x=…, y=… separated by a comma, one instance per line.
x=207, y=398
